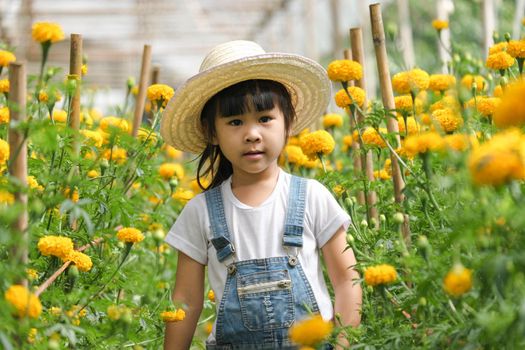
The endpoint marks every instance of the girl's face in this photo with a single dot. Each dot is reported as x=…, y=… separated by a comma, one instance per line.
x=252, y=141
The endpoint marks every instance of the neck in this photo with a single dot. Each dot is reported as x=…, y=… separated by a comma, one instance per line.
x=242, y=179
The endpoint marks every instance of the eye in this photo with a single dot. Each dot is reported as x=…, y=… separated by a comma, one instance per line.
x=235, y=122
x=265, y=119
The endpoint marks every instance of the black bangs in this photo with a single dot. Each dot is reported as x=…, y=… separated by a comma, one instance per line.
x=246, y=96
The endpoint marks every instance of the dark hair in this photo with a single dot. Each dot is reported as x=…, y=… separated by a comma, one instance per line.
x=236, y=100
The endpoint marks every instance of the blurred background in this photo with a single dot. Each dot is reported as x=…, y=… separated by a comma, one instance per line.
x=181, y=32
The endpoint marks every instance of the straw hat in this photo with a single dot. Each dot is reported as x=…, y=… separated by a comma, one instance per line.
x=231, y=63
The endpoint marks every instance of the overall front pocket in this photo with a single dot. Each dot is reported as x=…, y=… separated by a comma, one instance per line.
x=266, y=300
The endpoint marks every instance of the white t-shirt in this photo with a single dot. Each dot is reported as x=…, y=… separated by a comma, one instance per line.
x=256, y=233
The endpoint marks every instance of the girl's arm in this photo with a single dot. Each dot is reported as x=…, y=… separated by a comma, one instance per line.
x=340, y=264
x=189, y=289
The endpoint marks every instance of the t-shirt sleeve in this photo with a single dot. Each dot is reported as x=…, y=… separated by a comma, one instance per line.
x=327, y=215
x=188, y=233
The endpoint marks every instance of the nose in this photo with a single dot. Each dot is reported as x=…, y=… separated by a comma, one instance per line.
x=252, y=134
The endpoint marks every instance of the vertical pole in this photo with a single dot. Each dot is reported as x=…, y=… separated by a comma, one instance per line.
x=489, y=25
x=18, y=154
x=143, y=85
x=75, y=72
x=155, y=72
x=378, y=36
x=405, y=33
x=358, y=53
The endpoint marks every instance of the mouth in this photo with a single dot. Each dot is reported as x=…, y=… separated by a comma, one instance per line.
x=252, y=153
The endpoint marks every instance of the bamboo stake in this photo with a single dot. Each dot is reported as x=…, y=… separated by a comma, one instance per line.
x=18, y=155
x=155, y=72
x=358, y=53
x=358, y=165
x=75, y=72
x=143, y=85
x=64, y=266
x=378, y=36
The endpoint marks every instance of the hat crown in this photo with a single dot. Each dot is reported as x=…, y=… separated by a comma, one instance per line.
x=230, y=51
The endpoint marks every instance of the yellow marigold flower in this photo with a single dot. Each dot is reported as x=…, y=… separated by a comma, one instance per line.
x=173, y=316
x=169, y=170
x=344, y=70
x=457, y=142
x=208, y=327
x=404, y=103
x=93, y=138
x=172, y=152
x=357, y=96
x=4, y=86
x=499, y=160
x=58, y=246
x=371, y=137
x=74, y=196
x=424, y=142
x=150, y=135
x=311, y=331
x=160, y=93
x=449, y=102
x=487, y=105
x=414, y=80
x=45, y=31
x=380, y=274
x=439, y=24
x=332, y=120
x=84, y=69
x=500, y=61
x=55, y=311
x=448, y=119
x=130, y=235
x=317, y=143
x=6, y=198
x=382, y=174
x=469, y=80
x=4, y=152
x=116, y=154
x=24, y=302
x=81, y=260
x=6, y=57
x=59, y=116
x=347, y=142
x=511, y=110
x=294, y=155
x=92, y=174
x=33, y=183
x=31, y=335
x=32, y=274
x=499, y=47
x=4, y=115
x=441, y=82
x=211, y=295
x=338, y=190
x=516, y=48
x=458, y=281
x=413, y=127
x=182, y=195
x=114, y=312
x=109, y=122
x=194, y=185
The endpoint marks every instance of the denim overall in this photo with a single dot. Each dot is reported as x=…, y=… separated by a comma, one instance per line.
x=262, y=297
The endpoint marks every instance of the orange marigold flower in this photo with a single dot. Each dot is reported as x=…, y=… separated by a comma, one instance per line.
x=24, y=302
x=499, y=47
x=411, y=81
x=58, y=246
x=46, y=31
x=380, y=274
x=469, y=81
x=439, y=24
x=424, y=142
x=511, y=109
x=332, y=120
x=6, y=57
x=211, y=295
x=4, y=115
x=169, y=170
x=81, y=260
x=487, y=105
x=372, y=138
x=130, y=235
x=293, y=154
x=344, y=70
x=448, y=119
x=160, y=93
x=457, y=142
x=441, y=82
x=317, y=143
x=173, y=316
x=114, y=122
x=516, y=48
x=458, y=281
x=413, y=127
x=500, y=61
x=357, y=96
x=116, y=154
x=311, y=331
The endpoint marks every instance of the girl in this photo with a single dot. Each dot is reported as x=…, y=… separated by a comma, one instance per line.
x=258, y=229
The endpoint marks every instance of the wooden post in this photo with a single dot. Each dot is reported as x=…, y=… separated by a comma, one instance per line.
x=155, y=75
x=387, y=94
x=143, y=85
x=405, y=33
x=18, y=155
x=75, y=72
x=358, y=53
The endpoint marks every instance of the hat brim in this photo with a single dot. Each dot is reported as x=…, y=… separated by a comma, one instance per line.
x=304, y=78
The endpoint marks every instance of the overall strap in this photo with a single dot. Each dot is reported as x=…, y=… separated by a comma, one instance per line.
x=293, y=225
x=221, y=235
